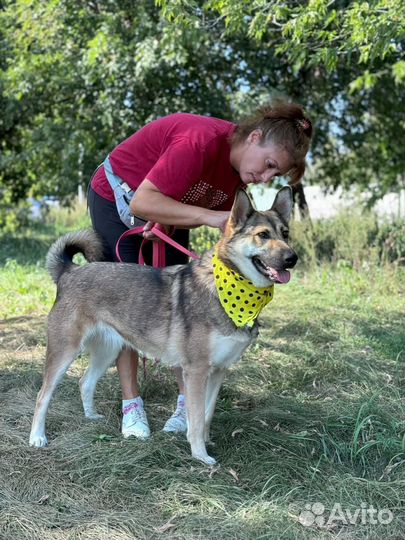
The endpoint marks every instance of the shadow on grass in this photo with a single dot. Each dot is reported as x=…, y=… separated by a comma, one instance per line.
x=26, y=331
x=275, y=454
x=361, y=337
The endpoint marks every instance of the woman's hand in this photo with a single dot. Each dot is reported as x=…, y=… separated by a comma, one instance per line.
x=148, y=234
x=217, y=219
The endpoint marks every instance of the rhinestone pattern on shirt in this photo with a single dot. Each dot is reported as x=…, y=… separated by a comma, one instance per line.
x=204, y=195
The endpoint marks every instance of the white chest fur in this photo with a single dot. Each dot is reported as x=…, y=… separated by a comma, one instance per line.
x=226, y=350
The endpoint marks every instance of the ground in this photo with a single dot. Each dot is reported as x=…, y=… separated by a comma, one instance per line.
x=308, y=429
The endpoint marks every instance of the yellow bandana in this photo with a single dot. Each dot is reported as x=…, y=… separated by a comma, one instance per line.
x=241, y=300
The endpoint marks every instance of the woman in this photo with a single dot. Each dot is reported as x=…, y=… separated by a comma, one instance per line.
x=184, y=170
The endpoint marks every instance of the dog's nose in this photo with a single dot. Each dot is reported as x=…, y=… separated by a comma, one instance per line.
x=290, y=259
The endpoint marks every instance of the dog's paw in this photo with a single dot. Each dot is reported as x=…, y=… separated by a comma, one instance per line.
x=208, y=460
x=94, y=416
x=38, y=441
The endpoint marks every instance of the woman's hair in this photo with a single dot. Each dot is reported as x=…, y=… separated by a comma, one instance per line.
x=284, y=124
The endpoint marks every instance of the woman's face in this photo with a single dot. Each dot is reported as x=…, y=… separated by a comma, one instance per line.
x=258, y=164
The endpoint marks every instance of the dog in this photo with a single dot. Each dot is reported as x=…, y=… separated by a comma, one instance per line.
x=180, y=314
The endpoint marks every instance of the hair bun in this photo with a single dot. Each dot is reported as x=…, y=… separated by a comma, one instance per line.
x=305, y=125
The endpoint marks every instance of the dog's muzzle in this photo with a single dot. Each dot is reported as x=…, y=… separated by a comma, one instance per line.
x=290, y=259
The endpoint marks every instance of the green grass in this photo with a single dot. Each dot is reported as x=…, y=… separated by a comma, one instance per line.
x=312, y=414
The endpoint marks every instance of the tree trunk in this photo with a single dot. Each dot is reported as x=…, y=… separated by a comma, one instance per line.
x=300, y=200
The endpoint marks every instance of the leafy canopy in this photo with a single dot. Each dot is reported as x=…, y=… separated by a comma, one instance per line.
x=77, y=78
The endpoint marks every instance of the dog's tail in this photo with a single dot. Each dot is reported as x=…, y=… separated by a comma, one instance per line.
x=60, y=254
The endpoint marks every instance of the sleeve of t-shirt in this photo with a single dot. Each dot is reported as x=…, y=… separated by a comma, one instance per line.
x=178, y=168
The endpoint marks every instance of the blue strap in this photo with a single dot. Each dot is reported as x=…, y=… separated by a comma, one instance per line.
x=115, y=181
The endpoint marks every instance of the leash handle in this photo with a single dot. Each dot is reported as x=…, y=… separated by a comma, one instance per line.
x=158, y=249
x=163, y=236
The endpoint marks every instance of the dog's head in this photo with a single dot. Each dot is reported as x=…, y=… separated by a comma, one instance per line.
x=255, y=243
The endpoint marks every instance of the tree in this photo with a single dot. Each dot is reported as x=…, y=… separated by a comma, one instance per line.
x=349, y=56
x=77, y=78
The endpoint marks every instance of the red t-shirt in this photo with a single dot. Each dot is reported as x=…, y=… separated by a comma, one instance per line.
x=186, y=156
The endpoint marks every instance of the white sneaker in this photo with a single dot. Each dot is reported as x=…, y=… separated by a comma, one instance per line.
x=134, y=421
x=177, y=423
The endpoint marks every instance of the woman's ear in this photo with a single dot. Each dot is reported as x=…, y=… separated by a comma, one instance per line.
x=254, y=136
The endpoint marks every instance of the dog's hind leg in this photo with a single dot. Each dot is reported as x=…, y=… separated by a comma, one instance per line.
x=59, y=355
x=195, y=379
x=102, y=355
x=214, y=383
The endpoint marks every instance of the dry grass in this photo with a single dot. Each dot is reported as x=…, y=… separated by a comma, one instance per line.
x=313, y=414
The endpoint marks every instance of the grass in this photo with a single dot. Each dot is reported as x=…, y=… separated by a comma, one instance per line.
x=312, y=415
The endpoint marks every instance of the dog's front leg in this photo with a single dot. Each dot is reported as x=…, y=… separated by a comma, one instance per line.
x=195, y=381
x=214, y=383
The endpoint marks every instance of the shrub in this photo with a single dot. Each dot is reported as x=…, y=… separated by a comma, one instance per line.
x=351, y=238
x=203, y=238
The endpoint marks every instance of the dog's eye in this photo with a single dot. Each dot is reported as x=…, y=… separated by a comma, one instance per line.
x=285, y=233
x=264, y=234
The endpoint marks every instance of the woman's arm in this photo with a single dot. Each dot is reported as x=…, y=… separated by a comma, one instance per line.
x=152, y=205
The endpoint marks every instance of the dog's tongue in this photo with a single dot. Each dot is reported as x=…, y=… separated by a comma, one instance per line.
x=280, y=276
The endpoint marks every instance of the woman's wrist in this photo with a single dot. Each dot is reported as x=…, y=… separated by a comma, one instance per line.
x=215, y=218
x=203, y=217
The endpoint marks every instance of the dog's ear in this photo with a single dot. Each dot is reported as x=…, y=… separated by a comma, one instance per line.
x=242, y=209
x=283, y=203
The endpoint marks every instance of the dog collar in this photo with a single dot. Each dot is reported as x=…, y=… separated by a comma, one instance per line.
x=240, y=298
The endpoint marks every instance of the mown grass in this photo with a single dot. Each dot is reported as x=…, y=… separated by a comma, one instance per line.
x=312, y=414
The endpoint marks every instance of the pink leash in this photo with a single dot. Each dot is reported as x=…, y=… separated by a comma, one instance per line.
x=159, y=254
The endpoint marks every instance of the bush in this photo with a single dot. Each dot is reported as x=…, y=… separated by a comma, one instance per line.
x=69, y=218
x=13, y=216
x=351, y=238
x=391, y=242
x=203, y=238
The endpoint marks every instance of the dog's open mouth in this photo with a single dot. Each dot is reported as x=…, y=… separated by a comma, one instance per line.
x=278, y=276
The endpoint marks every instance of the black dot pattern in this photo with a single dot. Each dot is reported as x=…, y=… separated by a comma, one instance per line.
x=240, y=298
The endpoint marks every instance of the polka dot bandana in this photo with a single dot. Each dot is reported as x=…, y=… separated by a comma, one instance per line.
x=240, y=298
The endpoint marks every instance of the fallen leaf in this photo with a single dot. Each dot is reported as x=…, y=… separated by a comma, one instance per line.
x=234, y=474
x=165, y=527
x=43, y=499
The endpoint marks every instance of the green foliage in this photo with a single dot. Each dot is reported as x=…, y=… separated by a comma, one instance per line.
x=391, y=241
x=69, y=218
x=12, y=216
x=203, y=239
x=78, y=78
x=344, y=61
x=314, y=33
x=353, y=238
